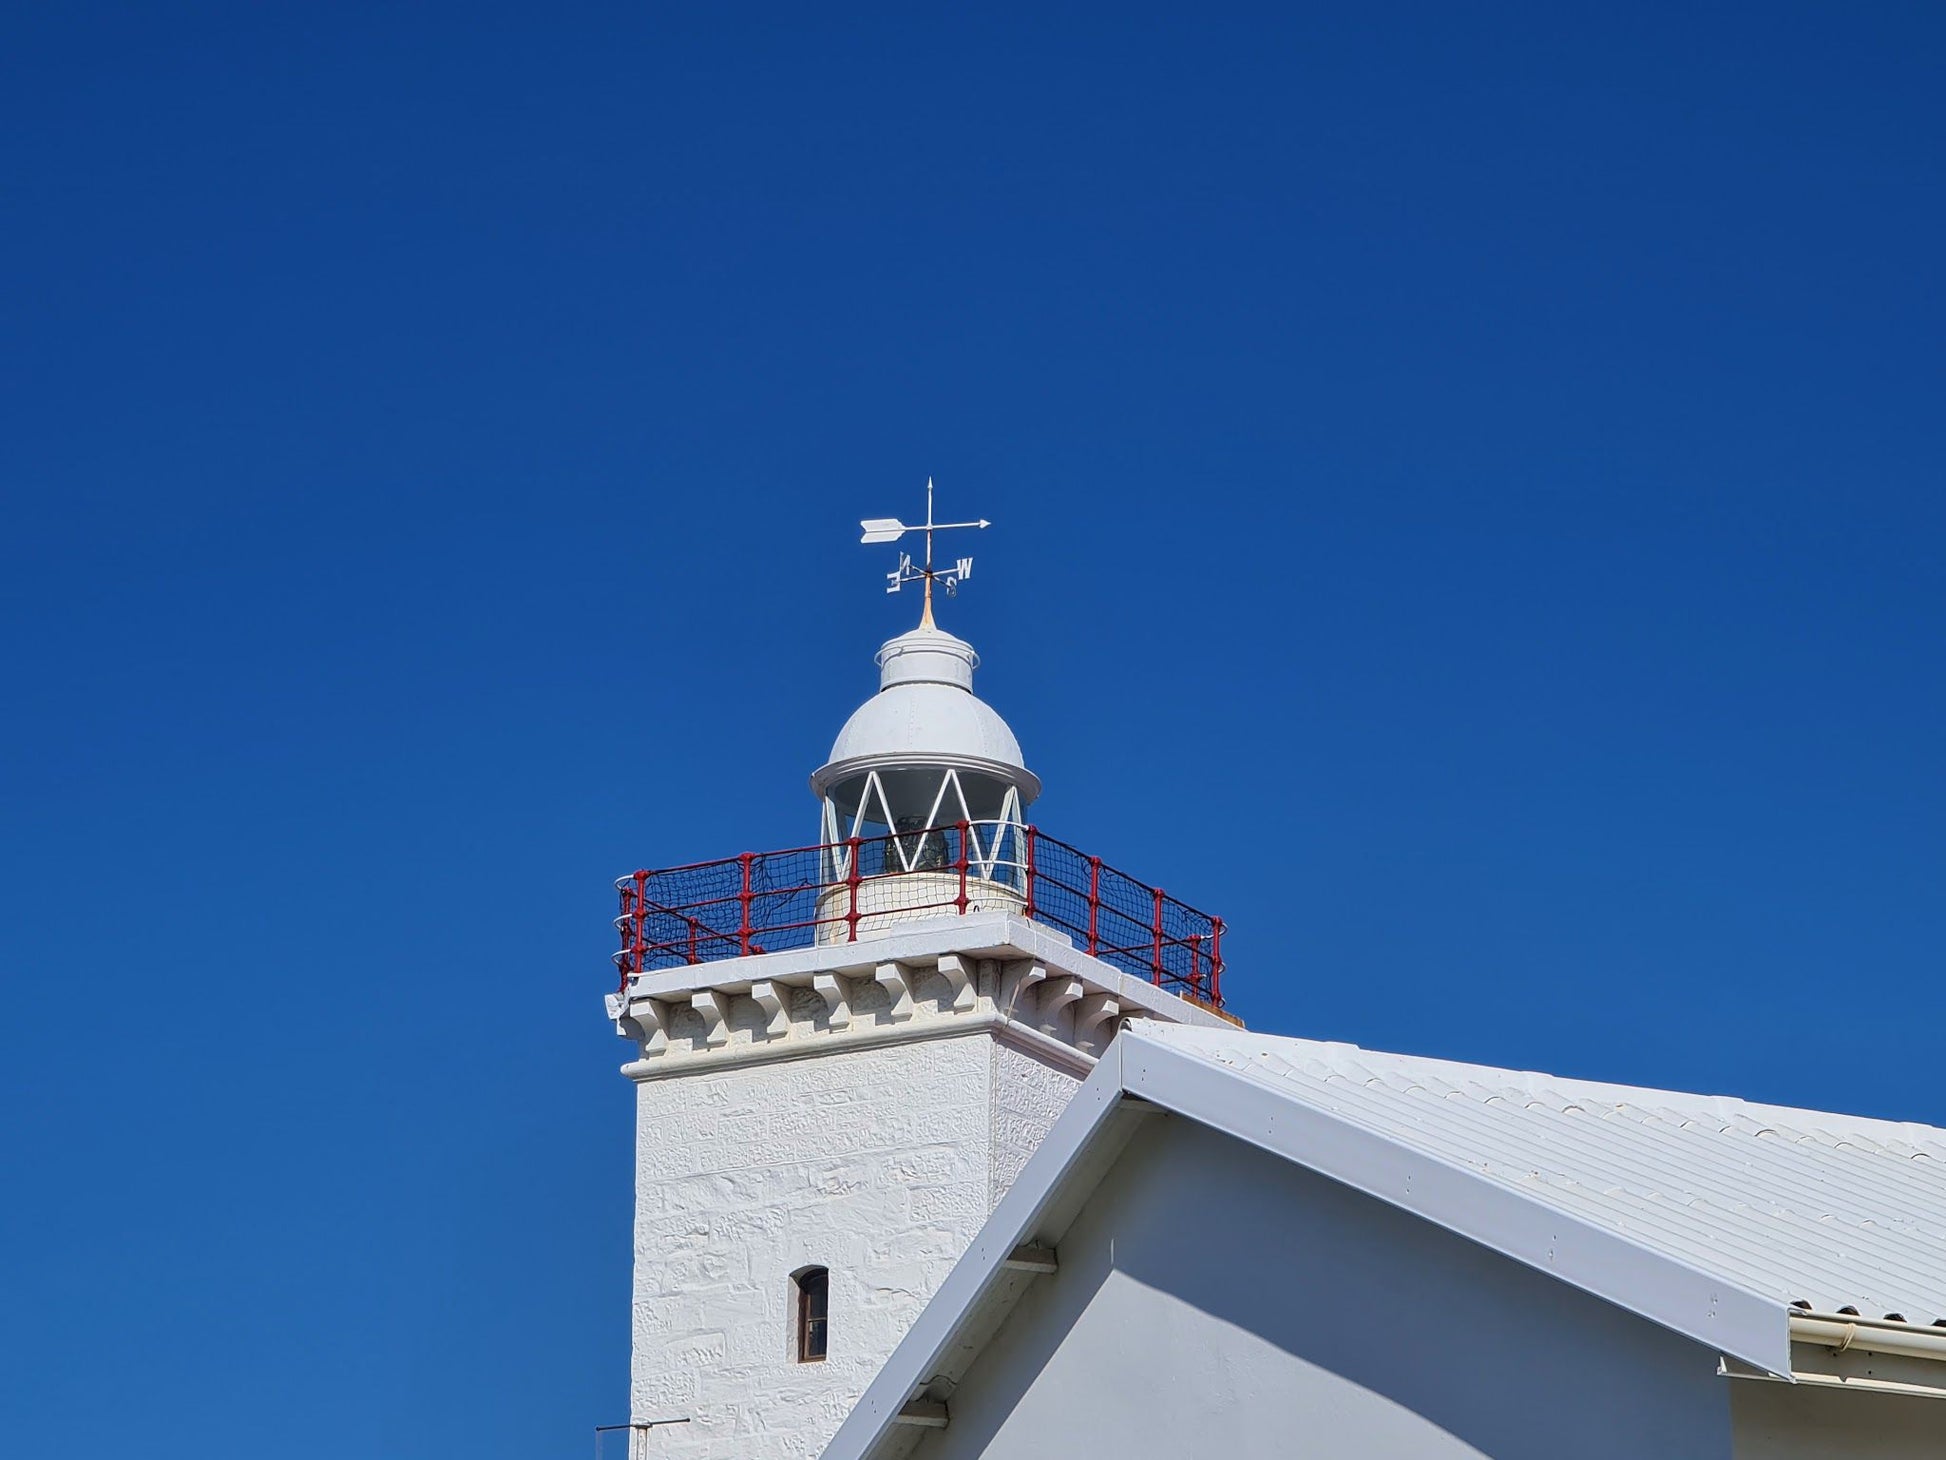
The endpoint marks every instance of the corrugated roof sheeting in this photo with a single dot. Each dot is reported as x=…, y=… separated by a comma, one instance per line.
x=1832, y=1209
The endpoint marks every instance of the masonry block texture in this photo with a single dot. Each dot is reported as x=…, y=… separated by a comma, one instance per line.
x=878, y=1162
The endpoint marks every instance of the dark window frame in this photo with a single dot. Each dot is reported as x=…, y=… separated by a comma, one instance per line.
x=813, y=1285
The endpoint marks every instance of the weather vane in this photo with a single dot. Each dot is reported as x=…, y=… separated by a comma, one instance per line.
x=890, y=529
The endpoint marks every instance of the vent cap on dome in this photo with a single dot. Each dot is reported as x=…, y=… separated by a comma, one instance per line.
x=927, y=656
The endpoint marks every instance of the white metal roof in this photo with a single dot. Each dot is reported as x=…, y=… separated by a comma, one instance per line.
x=1796, y=1204
x=1706, y=1214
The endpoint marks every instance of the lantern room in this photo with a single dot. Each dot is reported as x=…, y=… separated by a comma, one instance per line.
x=925, y=783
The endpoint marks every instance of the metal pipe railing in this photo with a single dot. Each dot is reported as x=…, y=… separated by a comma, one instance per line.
x=760, y=902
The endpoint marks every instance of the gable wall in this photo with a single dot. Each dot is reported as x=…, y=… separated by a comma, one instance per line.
x=1807, y=1422
x=1213, y=1300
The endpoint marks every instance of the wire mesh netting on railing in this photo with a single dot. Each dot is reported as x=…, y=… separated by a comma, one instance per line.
x=1140, y=929
x=762, y=902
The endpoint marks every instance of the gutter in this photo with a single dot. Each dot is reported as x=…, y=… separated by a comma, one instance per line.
x=1841, y=1332
x=1847, y=1351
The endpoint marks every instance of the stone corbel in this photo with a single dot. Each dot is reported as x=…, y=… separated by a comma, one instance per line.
x=647, y=1020
x=896, y=981
x=714, y=1006
x=952, y=968
x=1017, y=980
x=767, y=997
x=1056, y=995
x=1090, y=1015
x=837, y=999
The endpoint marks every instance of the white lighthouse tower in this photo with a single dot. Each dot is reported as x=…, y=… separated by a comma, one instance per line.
x=846, y=1052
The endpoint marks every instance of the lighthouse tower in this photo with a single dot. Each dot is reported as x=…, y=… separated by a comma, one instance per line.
x=846, y=1052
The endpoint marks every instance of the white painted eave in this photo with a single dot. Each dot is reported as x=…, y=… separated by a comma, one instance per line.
x=837, y=772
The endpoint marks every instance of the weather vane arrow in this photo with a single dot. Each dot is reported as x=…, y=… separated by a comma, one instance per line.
x=890, y=529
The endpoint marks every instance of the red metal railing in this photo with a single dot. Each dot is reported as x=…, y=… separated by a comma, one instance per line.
x=761, y=902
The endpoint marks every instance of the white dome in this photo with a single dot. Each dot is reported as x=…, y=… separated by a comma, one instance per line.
x=933, y=721
x=926, y=713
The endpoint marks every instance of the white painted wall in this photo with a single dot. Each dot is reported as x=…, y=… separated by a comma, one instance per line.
x=877, y=1162
x=1214, y=1300
x=1025, y=1097
x=1805, y=1422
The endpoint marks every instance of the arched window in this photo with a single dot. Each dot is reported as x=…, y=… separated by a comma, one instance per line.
x=813, y=1313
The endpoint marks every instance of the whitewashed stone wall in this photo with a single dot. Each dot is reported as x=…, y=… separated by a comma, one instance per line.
x=879, y=1163
x=1027, y=1095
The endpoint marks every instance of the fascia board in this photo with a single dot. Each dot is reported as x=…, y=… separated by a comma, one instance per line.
x=1039, y=1205
x=1725, y=1317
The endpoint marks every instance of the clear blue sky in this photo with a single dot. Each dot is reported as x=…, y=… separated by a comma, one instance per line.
x=1468, y=502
